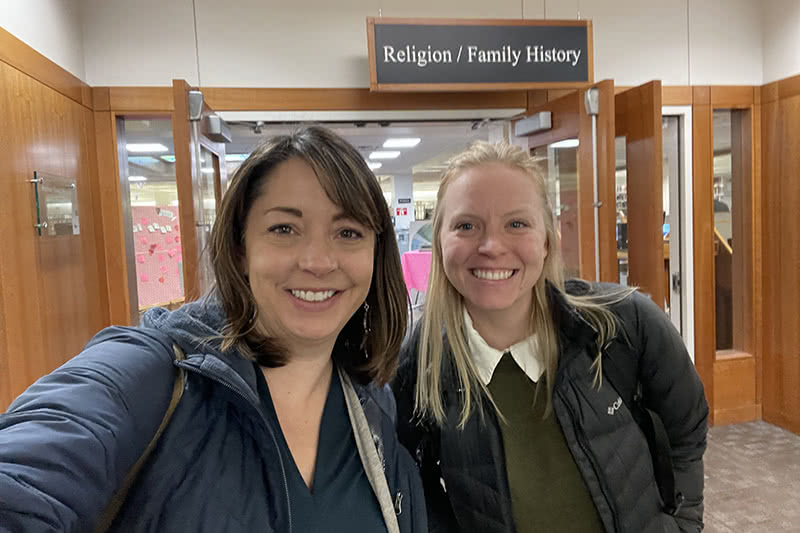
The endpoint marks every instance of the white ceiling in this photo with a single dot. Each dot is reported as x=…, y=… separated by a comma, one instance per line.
x=439, y=141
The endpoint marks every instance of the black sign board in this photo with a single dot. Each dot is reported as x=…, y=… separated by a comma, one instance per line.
x=447, y=55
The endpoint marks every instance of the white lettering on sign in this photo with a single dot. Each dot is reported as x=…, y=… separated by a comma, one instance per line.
x=419, y=56
x=506, y=54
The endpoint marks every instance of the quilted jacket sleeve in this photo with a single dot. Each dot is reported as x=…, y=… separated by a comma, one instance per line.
x=69, y=440
x=673, y=390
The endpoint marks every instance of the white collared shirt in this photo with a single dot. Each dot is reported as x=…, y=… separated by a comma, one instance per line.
x=487, y=358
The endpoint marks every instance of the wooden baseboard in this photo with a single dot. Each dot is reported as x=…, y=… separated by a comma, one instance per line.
x=782, y=421
x=737, y=415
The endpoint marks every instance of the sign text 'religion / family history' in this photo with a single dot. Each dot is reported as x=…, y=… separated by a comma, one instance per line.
x=413, y=55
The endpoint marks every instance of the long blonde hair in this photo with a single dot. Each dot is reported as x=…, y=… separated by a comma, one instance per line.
x=445, y=306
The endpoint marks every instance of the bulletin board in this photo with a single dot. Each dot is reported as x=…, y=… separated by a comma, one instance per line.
x=159, y=268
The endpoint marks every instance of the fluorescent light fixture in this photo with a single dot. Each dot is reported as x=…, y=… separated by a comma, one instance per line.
x=390, y=154
x=138, y=148
x=566, y=143
x=136, y=178
x=402, y=142
x=374, y=165
x=141, y=159
x=235, y=157
x=207, y=170
x=168, y=158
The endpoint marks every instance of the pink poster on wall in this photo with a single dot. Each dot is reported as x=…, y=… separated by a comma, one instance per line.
x=158, y=255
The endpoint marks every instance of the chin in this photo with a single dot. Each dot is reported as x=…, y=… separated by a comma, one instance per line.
x=491, y=305
x=313, y=334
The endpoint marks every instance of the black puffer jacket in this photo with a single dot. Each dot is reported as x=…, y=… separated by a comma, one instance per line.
x=464, y=471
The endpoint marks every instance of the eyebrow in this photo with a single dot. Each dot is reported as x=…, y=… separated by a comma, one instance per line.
x=520, y=211
x=299, y=214
x=288, y=210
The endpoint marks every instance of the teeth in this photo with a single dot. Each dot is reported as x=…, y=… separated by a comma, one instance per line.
x=313, y=296
x=493, y=274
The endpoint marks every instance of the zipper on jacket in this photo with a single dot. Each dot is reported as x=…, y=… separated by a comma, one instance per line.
x=580, y=437
x=216, y=379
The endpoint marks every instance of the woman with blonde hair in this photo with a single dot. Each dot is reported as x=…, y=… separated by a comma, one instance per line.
x=535, y=404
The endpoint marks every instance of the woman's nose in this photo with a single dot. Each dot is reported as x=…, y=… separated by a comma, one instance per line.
x=318, y=257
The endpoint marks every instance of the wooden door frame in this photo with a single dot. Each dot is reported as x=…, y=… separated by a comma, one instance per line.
x=733, y=382
x=185, y=161
x=188, y=143
x=569, y=123
x=645, y=261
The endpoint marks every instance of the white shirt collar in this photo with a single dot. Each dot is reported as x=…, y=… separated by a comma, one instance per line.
x=487, y=358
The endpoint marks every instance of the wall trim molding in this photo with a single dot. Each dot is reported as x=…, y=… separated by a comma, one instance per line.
x=22, y=57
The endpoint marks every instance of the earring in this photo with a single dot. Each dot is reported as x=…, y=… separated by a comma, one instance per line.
x=367, y=330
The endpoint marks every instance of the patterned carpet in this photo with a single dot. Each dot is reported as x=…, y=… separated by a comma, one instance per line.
x=752, y=479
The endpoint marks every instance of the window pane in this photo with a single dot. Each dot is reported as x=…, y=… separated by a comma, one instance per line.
x=559, y=162
x=621, y=193
x=732, y=179
x=154, y=211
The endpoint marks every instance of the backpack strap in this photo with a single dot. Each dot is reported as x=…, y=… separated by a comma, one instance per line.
x=623, y=376
x=111, y=511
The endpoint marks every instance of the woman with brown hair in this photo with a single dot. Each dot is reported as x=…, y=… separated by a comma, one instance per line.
x=280, y=419
x=526, y=399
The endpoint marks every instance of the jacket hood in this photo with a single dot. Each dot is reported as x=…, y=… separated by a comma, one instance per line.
x=197, y=328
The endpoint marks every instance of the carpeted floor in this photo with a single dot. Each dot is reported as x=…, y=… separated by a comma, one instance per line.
x=752, y=479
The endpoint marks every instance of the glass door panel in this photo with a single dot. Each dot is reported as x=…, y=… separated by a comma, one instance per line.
x=559, y=163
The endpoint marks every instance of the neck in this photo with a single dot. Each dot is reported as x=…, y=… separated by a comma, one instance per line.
x=301, y=376
x=501, y=329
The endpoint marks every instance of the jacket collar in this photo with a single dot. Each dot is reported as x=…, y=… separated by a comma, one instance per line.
x=573, y=328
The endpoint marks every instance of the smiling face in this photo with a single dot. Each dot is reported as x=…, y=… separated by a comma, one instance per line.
x=493, y=240
x=309, y=265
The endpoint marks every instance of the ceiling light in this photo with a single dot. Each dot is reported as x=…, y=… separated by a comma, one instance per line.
x=235, y=157
x=391, y=154
x=168, y=158
x=141, y=159
x=146, y=147
x=373, y=165
x=566, y=143
x=136, y=178
x=402, y=142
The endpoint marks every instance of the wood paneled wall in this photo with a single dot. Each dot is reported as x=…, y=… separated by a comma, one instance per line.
x=51, y=300
x=780, y=159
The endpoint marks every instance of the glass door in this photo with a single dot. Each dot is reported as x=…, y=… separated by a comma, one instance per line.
x=559, y=161
x=677, y=198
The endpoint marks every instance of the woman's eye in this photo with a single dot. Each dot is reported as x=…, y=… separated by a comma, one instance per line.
x=465, y=226
x=350, y=234
x=281, y=229
x=517, y=224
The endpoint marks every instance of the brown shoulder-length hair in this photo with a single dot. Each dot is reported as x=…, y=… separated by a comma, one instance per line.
x=351, y=185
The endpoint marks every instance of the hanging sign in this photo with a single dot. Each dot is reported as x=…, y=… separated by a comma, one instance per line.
x=477, y=55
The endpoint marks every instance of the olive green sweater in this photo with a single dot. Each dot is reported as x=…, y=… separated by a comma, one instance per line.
x=547, y=490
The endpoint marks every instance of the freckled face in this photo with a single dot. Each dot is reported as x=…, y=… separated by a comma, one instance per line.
x=493, y=239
